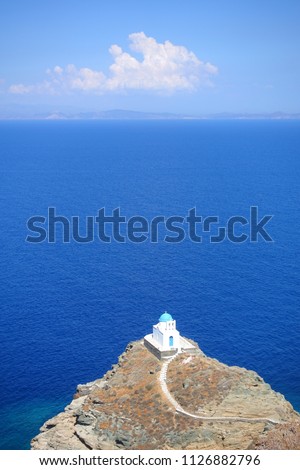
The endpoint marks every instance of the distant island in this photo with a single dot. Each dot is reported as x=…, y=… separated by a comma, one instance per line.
x=120, y=114
x=165, y=393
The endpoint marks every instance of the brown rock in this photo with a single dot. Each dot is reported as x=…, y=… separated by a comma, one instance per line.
x=127, y=408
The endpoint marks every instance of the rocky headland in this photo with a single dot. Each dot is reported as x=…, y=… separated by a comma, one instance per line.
x=189, y=402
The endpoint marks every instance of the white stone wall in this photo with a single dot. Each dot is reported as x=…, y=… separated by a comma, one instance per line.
x=157, y=335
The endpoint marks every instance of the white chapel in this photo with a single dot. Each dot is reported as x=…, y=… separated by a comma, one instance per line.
x=165, y=340
x=165, y=333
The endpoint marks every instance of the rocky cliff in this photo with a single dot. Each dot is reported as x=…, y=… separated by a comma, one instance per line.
x=196, y=402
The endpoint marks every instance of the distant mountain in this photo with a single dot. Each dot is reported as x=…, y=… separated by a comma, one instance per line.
x=122, y=114
x=114, y=114
x=276, y=115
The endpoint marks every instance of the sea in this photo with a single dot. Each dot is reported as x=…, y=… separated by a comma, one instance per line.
x=68, y=310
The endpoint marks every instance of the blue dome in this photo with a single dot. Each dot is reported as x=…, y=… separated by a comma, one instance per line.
x=165, y=317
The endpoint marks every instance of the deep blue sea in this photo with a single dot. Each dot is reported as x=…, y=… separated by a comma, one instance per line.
x=69, y=310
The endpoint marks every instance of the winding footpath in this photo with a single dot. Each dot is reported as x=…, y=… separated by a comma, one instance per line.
x=180, y=410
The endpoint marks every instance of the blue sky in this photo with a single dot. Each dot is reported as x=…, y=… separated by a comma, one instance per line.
x=220, y=56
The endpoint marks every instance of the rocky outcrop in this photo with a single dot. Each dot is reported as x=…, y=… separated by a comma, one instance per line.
x=130, y=408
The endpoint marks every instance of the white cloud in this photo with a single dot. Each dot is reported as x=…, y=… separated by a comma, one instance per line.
x=20, y=89
x=163, y=67
x=58, y=70
x=41, y=88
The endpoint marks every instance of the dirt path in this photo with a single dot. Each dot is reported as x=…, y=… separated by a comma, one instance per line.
x=179, y=409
